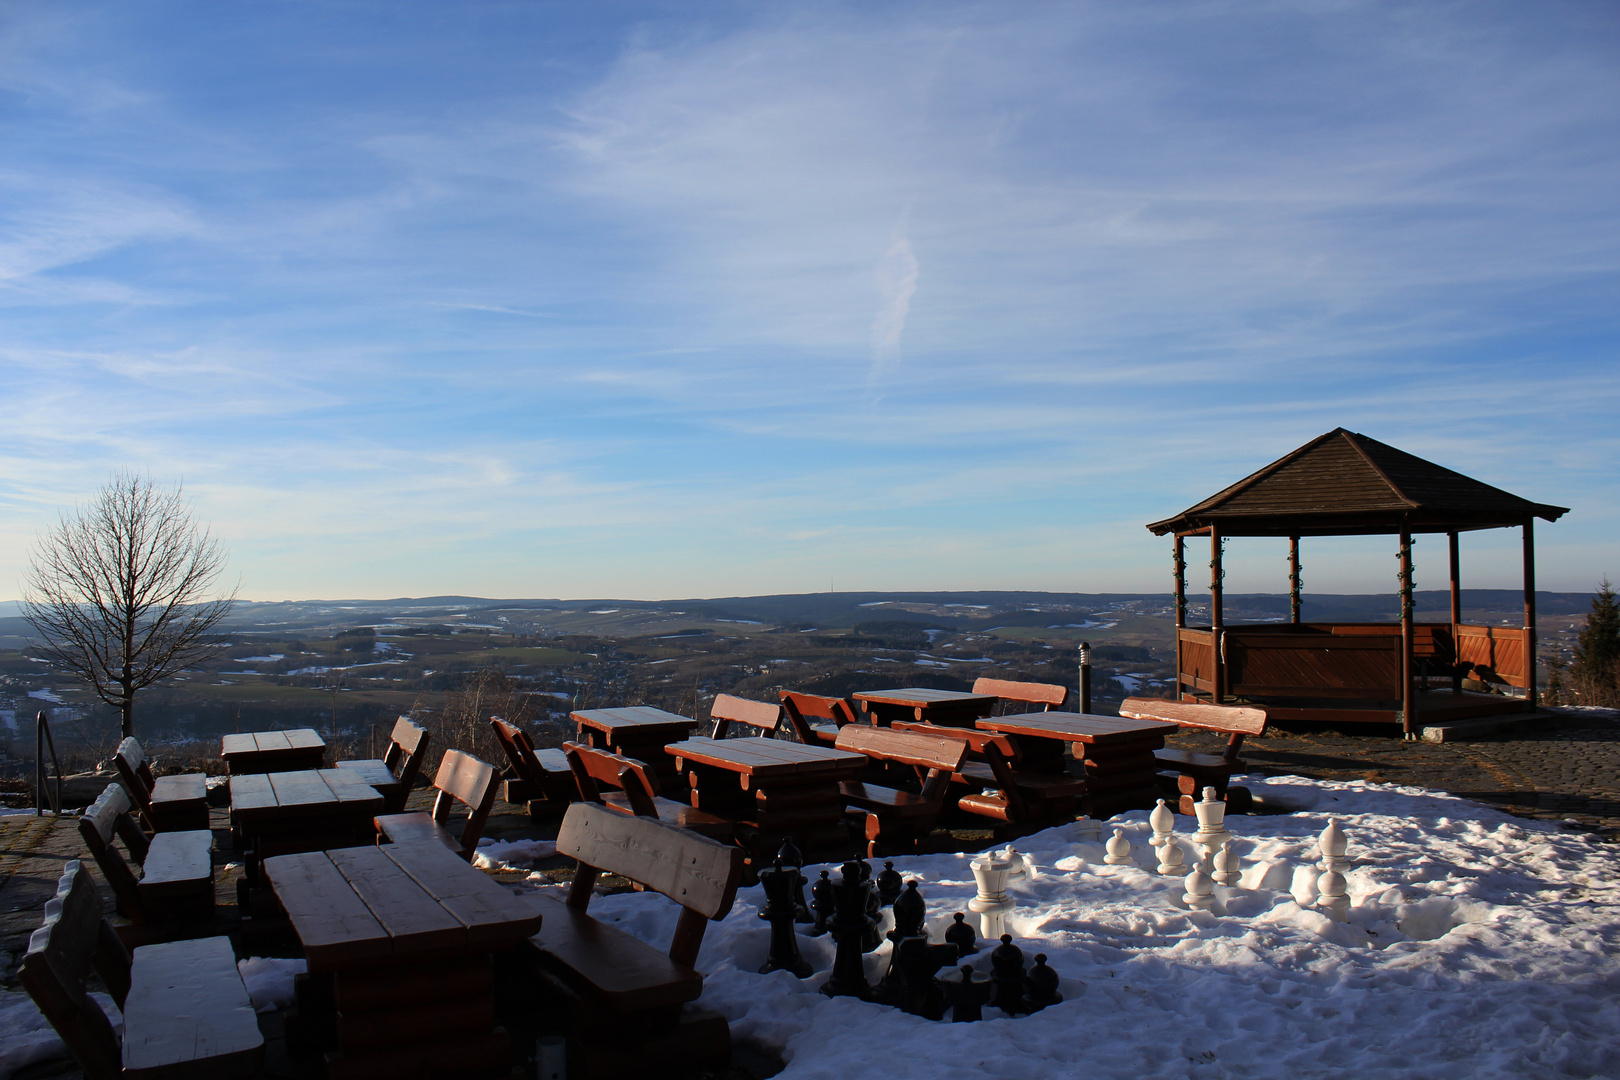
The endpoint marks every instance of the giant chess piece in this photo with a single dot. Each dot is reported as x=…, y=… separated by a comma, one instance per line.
x=1211, y=832
x=1171, y=857
x=1228, y=867
x=1332, y=896
x=1041, y=986
x=889, y=884
x=1200, y=889
x=1119, y=849
x=780, y=883
x=1333, y=844
x=910, y=912
x=960, y=934
x=1087, y=830
x=849, y=925
x=822, y=902
x=1007, y=976
x=992, y=903
x=1163, y=820
x=966, y=991
x=790, y=855
x=874, y=910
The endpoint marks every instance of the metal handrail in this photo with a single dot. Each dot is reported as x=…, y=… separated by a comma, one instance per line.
x=42, y=739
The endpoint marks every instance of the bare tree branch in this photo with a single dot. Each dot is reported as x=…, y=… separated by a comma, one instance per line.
x=118, y=590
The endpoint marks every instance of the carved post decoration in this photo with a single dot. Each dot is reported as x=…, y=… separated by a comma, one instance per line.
x=1085, y=676
x=1294, y=583
x=1408, y=674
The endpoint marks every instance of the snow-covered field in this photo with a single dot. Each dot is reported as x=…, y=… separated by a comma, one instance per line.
x=1479, y=945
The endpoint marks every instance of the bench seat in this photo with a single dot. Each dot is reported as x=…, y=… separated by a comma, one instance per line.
x=186, y=1009
x=178, y=864
x=1194, y=763
x=179, y=802
x=375, y=771
x=887, y=800
x=416, y=828
x=675, y=813
x=616, y=969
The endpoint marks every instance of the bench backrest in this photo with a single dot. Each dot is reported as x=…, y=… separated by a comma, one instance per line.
x=906, y=747
x=800, y=709
x=697, y=873
x=519, y=750
x=975, y=739
x=407, y=746
x=592, y=768
x=73, y=940
x=729, y=709
x=133, y=770
x=1048, y=696
x=109, y=815
x=1234, y=720
x=463, y=778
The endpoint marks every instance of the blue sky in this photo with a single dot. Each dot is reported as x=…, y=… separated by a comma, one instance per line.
x=663, y=300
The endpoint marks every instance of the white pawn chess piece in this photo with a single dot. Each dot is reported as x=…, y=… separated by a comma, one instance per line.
x=1163, y=820
x=1333, y=844
x=1087, y=830
x=1200, y=889
x=992, y=904
x=1212, y=832
x=1331, y=896
x=1018, y=864
x=1118, y=848
x=1171, y=857
x=1228, y=867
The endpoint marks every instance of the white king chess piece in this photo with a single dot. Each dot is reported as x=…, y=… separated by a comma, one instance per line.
x=1200, y=890
x=1118, y=848
x=1171, y=857
x=1211, y=832
x=1163, y=820
x=992, y=904
x=1228, y=867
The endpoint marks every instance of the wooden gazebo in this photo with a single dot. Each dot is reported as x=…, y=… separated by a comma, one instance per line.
x=1345, y=484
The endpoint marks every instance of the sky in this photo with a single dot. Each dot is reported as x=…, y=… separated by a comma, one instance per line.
x=672, y=300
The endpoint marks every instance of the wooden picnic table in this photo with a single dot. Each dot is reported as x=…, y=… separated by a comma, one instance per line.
x=1115, y=752
x=773, y=790
x=399, y=940
x=640, y=732
x=273, y=751
x=948, y=708
x=280, y=812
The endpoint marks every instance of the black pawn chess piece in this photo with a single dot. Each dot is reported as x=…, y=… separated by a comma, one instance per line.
x=780, y=883
x=874, y=912
x=822, y=902
x=1041, y=985
x=966, y=991
x=888, y=883
x=909, y=913
x=790, y=855
x=962, y=935
x=1007, y=976
x=850, y=925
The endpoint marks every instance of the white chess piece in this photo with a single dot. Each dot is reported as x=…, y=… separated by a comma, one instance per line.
x=1087, y=831
x=1163, y=821
x=1333, y=844
x=992, y=904
x=1212, y=831
x=1331, y=896
x=1228, y=867
x=1171, y=857
x=1018, y=864
x=1200, y=889
x=1118, y=848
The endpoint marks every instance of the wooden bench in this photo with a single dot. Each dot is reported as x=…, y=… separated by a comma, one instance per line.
x=395, y=774
x=1021, y=799
x=628, y=1011
x=895, y=821
x=186, y=1012
x=168, y=803
x=1024, y=695
x=462, y=779
x=634, y=790
x=764, y=719
x=1190, y=771
x=802, y=710
x=539, y=780
x=177, y=869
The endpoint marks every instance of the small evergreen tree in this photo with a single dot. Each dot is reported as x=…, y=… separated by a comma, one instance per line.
x=1595, y=672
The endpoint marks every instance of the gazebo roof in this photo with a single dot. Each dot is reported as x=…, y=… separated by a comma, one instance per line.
x=1345, y=484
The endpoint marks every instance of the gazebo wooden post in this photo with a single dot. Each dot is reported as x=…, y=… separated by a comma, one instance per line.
x=1181, y=604
x=1408, y=682
x=1456, y=614
x=1215, y=616
x=1530, y=610
x=1293, y=579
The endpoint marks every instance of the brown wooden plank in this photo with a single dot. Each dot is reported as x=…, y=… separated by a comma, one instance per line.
x=350, y=790
x=610, y=964
x=252, y=797
x=414, y=921
x=692, y=870
x=237, y=743
x=304, y=739
x=187, y=1006
x=492, y=916
x=177, y=863
x=333, y=923
x=271, y=742
x=301, y=792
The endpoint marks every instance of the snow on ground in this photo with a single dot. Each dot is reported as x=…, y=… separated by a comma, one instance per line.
x=45, y=695
x=269, y=980
x=1479, y=945
x=26, y=1036
x=511, y=855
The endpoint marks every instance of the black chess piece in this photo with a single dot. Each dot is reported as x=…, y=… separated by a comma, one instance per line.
x=962, y=935
x=1041, y=985
x=780, y=883
x=821, y=901
x=909, y=912
x=874, y=911
x=790, y=855
x=888, y=883
x=1007, y=976
x=850, y=925
x=966, y=991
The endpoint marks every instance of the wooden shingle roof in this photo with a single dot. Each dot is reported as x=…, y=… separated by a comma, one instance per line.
x=1345, y=484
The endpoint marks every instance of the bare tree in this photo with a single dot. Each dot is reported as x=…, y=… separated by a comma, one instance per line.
x=118, y=591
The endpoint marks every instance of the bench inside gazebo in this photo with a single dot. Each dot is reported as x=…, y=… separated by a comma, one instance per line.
x=1345, y=484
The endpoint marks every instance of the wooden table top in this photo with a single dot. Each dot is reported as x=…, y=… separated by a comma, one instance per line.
x=634, y=719
x=363, y=906
x=248, y=743
x=768, y=758
x=1077, y=727
x=312, y=792
x=913, y=696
